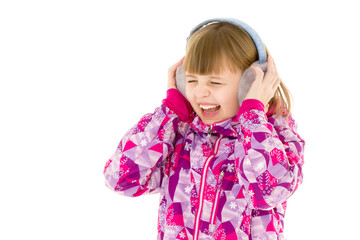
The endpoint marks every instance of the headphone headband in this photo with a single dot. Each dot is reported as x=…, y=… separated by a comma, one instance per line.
x=255, y=37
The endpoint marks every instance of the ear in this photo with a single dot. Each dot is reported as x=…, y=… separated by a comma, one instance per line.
x=181, y=80
x=247, y=79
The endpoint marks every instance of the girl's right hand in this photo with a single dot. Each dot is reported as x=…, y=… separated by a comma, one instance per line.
x=264, y=86
x=172, y=74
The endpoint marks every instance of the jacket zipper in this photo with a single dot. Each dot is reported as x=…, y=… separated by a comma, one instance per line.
x=216, y=202
x=209, y=134
x=202, y=184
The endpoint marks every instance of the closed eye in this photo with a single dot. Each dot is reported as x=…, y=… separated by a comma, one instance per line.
x=191, y=81
x=216, y=83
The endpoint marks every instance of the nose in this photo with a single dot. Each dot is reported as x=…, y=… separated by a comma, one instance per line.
x=202, y=91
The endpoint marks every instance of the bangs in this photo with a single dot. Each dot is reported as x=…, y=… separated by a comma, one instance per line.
x=217, y=46
x=209, y=52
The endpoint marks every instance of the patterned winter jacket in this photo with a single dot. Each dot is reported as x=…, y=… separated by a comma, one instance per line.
x=228, y=180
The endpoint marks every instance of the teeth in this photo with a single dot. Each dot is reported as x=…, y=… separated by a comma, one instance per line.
x=206, y=107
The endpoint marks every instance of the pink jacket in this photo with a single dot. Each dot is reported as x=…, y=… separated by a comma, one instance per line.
x=228, y=180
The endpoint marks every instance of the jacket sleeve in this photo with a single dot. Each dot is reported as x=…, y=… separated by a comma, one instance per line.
x=138, y=164
x=272, y=150
x=268, y=224
x=143, y=155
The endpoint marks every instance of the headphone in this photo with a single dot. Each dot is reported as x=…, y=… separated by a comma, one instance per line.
x=248, y=76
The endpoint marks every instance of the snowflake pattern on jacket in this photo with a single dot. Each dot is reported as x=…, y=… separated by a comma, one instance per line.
x=229, y=180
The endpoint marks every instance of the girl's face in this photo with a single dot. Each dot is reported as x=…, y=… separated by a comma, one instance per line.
x=214, y=97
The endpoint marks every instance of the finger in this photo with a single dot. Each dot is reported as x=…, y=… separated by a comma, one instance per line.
x=175, y=66
x=171, y=77
x=171, y=72
x=259, y=74
x=271, y=68
x=270, y=73
x=272, y=78
x=277, y=79
x=276, y=83
x=275, y=68
x=182, y=59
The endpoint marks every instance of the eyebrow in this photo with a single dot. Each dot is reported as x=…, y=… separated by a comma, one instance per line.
x=212, y=77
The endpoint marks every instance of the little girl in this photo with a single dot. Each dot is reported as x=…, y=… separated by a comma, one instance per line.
x=224, y=168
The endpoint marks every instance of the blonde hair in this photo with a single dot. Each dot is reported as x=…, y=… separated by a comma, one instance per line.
x=209, y=46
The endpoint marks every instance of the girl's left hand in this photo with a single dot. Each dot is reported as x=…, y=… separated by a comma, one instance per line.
x=264, y=87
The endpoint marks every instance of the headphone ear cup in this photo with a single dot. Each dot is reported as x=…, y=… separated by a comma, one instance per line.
x=181, y=80
x=247, y=79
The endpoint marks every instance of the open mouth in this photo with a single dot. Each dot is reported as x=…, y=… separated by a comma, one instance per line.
x=209, y=110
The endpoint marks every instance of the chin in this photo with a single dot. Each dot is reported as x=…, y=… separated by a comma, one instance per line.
x=212, y=121
x=208, y=122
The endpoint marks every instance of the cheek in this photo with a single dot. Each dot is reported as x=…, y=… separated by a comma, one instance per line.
x=231, y=103
x=187, y=92
x=190, y=96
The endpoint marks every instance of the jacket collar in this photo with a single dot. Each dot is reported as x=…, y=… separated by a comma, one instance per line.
x=228, y=127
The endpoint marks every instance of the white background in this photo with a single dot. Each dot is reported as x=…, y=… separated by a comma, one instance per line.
x=76, y=75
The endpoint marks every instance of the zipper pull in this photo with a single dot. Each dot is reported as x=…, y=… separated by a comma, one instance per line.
x=221, y=176
x=222, y=173
x=209, y=134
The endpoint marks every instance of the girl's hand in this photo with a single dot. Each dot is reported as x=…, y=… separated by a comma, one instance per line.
x=172, y=74
x=263, y=88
